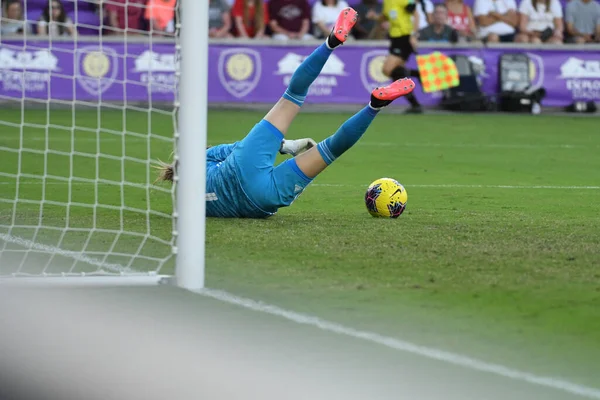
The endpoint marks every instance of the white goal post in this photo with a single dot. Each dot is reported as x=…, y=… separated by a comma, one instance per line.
x=191, y=144
x=84, y=120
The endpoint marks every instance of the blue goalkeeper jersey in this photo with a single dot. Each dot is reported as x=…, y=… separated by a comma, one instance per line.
x=225, y=196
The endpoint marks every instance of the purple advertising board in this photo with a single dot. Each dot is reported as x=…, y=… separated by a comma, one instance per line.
x=138, y=72
x=87, y=72
x=261, y=74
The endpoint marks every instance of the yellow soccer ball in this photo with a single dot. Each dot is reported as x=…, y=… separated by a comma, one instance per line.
x=386, y=197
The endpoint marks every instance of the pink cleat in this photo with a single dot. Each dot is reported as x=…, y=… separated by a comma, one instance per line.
x=344, y=24
x=396, y=89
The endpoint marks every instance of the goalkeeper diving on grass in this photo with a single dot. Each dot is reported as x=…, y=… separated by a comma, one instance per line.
x=241, y=178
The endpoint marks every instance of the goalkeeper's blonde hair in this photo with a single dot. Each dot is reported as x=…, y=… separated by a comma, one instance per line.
x=166, y=171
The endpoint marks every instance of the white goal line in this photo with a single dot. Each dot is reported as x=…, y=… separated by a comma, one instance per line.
x=75, y=255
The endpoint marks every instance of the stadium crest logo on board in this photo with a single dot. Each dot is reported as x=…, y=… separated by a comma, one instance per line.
x=536, y=69
x=239, y=71
x=28, y=71
x=582, y=78
x=96, y=68
x=371, y=69
x=325, y=82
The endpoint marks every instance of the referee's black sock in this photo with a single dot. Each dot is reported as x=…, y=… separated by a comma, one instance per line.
x=414, y=73
x=412, y=100
x=399, y=73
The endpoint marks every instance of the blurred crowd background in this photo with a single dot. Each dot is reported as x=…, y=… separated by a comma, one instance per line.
x=526, y=21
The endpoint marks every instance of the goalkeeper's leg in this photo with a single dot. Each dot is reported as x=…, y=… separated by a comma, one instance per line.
x=255, y=154
x=314, y=161
x=285, y=110
x=290, y=178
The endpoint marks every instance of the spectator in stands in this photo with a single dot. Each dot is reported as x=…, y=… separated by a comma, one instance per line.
x=12, y=21
x=425, y=8
x=54, y=21
x=290, y=19
x=324, y=15
x=439, y=30
x=368, y=25
x=160, y=15
x=219, y=19
x=540, y=22
x=497, y=20
x=126, y=15
x=583, y=21
x=460, y=18
x=250, y=18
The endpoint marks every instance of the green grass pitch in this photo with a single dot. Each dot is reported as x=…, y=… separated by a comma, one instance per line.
x=497, y=255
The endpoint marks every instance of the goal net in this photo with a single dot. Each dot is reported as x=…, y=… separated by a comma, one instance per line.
x=87, y=105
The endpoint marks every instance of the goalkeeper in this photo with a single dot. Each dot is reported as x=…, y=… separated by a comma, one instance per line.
x=241, y=179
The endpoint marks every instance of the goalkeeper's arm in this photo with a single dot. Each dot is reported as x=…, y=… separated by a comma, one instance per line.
x=166, y=171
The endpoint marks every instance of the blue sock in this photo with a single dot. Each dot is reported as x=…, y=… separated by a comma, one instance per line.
x=347, y=135
x=306, y=74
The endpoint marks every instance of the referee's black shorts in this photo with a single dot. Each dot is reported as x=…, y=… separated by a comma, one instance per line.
x=401, y=47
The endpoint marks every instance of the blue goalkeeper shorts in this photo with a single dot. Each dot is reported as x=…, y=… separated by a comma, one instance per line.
x=267, y=186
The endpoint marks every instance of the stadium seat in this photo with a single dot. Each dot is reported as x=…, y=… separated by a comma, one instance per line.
x=88, y=22
x=81, y=5
x=35, y=4
x=69, y=5
x=33, y=15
